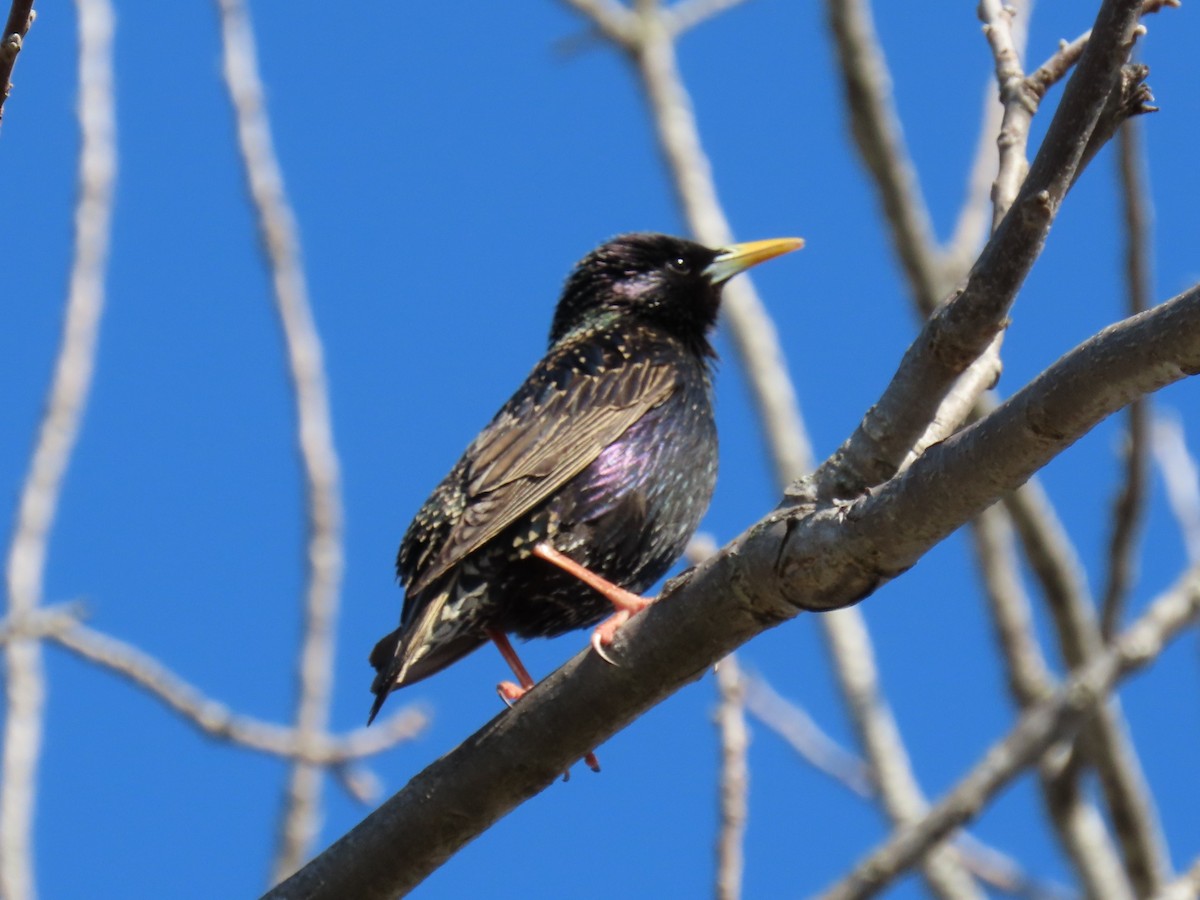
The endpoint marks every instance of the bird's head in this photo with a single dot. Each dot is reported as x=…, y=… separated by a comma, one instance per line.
x=667, y=282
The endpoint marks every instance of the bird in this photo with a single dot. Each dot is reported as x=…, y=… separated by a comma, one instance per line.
x=586, y=486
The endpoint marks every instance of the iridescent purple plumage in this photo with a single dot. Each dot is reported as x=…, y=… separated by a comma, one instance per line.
x=605, y=458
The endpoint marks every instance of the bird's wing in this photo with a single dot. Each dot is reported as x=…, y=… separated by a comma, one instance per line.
x=549, y=433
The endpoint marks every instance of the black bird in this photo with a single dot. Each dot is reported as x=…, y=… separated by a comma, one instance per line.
x=589, y=481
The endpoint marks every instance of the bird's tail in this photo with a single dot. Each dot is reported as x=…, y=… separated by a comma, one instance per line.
x=383, y=658
x=418, y=649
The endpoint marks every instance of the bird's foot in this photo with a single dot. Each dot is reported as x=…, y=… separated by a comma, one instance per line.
x=607, y=630
x=627, y=603
x=511, y=692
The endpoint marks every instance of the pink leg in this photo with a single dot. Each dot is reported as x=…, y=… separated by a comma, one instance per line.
x=511, y=693
x=626, y=602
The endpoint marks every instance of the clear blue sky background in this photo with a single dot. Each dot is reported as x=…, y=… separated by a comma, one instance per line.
x=448, y=164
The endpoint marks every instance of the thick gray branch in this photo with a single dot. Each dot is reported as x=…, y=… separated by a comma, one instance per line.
x=964, y=326
x=792, y=560
x=1033, y=734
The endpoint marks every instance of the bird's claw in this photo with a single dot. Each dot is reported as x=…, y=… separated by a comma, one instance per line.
x=606, y=631
x=599, y=648
x=510, y=693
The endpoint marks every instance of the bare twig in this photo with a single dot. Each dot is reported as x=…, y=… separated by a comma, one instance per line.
x=1018, y=101
x=734, y=778
x=211, y=716
x=687, y=14
x=1068, y=53
x=24, y=679
x=1105, y=736
x=1185, y=887
x=612, y=19
x=795, y=726
x=867, y=87
x=796, y=558
x=974, y=224
x=1029, y=677
x=301, y=812
x=1076, y=821
x=61, y=625
x=1129, y=505
x=20, y=18
x=1181, y=476
x=750, y=327
x=902, y=798
x=1034, y=733
x=964, y=326
x=806, y=737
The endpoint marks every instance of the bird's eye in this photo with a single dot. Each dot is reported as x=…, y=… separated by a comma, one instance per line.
x=680, y=266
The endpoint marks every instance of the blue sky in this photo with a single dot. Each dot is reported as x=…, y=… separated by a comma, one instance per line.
x=447, y=167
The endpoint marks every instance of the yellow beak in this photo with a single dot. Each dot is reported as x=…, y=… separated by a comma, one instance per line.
x=739, y=257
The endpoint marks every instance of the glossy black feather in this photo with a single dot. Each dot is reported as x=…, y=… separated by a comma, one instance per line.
x=607, y=450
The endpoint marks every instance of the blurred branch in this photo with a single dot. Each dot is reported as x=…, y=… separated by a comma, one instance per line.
x=612, y=19
x=879, y=734
x=754, y=335
x=59, y=429
x=794, y=559
x=61, y=625
x=20, y=19
x=1185, y=887
x=806, y=737
x=215, y=719
x=1181, y=476
x=1036, y=730
x=734, y=778
x=1019, y=104
x=1105, y=736
x=687, y=14
x=301, y=812
x=1130, y=502
x=1077, y=823
x=973, y=223
x=750, y=327
x=1029, y=677
x=964, y=326
x=794, y=725
x=867, y=90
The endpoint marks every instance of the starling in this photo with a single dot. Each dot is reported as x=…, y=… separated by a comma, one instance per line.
x=589, y=481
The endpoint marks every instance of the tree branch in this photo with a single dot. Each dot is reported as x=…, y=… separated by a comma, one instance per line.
x=795, y=558
x=879, y=734
x=794, y=725
x=1181, y=476
x=1105, y=737
x=25, y=572
x=280, y=237
x=20, y=19
x=750, y=327
x=1034, y=733
x=1130, y=502
x=734, y=779
x=685, y=15
x=964, y=326
x=215, y=719
x=1078, y=824
x=867, y=90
